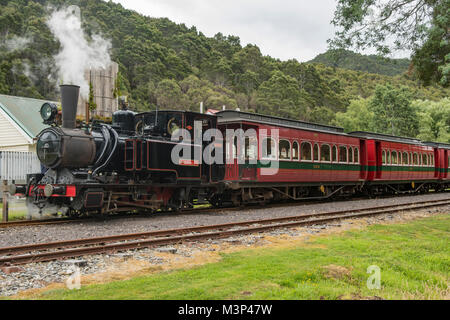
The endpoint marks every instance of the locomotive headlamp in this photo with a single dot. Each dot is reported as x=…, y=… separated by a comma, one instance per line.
x=48, y=112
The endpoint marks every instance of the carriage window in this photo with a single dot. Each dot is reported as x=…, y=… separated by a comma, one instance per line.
x=251, y=149
x=356, y=152
x=388, y=157
x=285, y=150
x=306, y=151
x=334, y=157
x=235, y=148
x=350, y=155
x=316, y=152
x=424, y=160
x=269, y=148
x=342, y=154
x=432, y=160
x=411, y=158
x=325, y=153
x=383, y=157
x=415, y=159
x=394, y=157
x=405, y=158
x=295, y=153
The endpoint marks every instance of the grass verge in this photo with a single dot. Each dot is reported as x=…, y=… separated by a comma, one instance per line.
x=413, y=258
x=14, y=214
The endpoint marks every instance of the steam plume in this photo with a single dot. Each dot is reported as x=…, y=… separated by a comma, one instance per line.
x=77, y=53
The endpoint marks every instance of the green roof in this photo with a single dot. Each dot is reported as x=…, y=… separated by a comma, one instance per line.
x=24, y=112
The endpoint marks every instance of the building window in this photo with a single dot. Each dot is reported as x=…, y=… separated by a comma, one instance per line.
x=295, y=153
x=342, y=154
x=306, y=151
x=285, y=150
x=325, y=153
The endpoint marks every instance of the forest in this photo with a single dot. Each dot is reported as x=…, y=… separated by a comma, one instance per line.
x=173, y=66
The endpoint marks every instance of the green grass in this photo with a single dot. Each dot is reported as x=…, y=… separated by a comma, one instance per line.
x=14, y=214
x=413, y=257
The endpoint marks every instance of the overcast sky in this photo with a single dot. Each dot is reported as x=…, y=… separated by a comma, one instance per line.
x=283, y=29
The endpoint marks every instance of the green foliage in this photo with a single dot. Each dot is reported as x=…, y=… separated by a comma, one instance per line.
x=417, y=25
x=91, y=101
x=367, y=63
x=358, y=117
x=171, y=66
x=393, y=112
x=434, y=120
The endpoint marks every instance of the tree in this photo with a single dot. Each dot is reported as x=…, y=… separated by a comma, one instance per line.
x=281, y=96
x=168, y=95
x=434, y=122
x=91, y=100
x=417, y=25
x=393, y=112
x=358, y=117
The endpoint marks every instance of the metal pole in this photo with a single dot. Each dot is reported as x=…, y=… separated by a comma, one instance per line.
x=5, y=201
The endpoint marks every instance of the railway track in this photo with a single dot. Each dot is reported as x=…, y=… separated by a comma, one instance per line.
x=63, y=220
x=80, y=247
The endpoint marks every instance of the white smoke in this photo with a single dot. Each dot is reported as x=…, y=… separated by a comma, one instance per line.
x=77, y=53
x=16, y=43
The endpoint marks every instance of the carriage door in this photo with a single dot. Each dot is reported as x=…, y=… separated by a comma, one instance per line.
x=206, y=168
x=231, y=160
x=379, y=161
x=436, y=163
x=445, y=161
x=247, y=171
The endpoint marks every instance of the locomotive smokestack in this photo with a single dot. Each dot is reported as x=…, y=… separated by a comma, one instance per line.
x=69, y=102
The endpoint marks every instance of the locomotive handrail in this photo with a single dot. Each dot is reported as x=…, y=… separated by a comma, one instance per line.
x=116, y=141
x=107, y=137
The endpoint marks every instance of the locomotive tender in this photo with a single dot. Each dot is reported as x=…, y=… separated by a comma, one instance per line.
x=127, y=166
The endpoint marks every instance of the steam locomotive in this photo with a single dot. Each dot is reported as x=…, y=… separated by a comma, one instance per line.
x=129, y=165
x=119, y=167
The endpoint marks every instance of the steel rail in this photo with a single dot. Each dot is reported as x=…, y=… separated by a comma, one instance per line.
x=168, y=232
x=121, y=246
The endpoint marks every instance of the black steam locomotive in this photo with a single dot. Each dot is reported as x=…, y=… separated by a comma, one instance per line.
x=119, y=167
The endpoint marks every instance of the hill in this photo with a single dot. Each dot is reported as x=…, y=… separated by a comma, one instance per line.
x=367, y=63
x=173, y=66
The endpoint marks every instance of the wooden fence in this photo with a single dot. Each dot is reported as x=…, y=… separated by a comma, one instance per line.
x=16, y=165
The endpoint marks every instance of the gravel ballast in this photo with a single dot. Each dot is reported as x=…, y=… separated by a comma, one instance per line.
x=39, y=275
x=87, y=229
